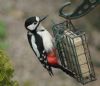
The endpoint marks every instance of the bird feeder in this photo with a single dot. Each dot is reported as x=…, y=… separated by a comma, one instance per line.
x=73, y=52
x=72, y=47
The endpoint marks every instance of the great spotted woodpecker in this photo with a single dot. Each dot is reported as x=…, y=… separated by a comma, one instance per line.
x=41, y=43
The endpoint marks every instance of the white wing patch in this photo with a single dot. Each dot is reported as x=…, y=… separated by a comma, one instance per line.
x=47, y=40
x=34, y=46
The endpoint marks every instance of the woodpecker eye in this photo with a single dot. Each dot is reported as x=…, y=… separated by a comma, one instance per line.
x=35, y=22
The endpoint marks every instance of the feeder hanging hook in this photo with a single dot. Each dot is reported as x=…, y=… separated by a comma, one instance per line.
x=84, y=8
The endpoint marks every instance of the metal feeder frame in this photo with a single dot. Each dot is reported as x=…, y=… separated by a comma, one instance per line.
x=68, y=55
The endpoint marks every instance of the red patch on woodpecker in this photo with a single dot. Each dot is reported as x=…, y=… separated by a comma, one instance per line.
x=52, y=59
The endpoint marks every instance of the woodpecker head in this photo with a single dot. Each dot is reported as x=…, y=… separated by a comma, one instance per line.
x=33, y=22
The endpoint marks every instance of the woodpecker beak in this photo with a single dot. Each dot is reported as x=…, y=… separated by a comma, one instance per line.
x=41, y=19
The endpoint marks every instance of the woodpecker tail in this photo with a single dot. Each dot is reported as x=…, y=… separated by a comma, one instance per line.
x=65, y=70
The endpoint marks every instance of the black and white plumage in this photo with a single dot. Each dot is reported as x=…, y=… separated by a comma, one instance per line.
x=37, y=37
x=41, y=43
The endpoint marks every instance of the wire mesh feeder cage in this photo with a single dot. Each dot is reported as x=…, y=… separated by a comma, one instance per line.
x=73, y=51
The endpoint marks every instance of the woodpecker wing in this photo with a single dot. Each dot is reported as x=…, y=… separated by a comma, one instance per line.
x=36, y=44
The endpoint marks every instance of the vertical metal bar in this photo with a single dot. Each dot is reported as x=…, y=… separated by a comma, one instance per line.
x=63, y=53
x=84, y=81
x=72, y=61
x=70, y=57
x=59, y=51
x=73, y=56
x=90, y=61
x=77, y=62
x=67, y=56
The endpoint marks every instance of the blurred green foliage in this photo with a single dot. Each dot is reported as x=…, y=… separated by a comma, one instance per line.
x=6, y=71
x=2, y=30
x=6, y=68
x=3, y=44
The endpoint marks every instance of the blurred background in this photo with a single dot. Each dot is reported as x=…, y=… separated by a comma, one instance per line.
x=13, y=39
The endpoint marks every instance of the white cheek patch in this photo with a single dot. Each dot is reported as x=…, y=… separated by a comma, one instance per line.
x=32, y=27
